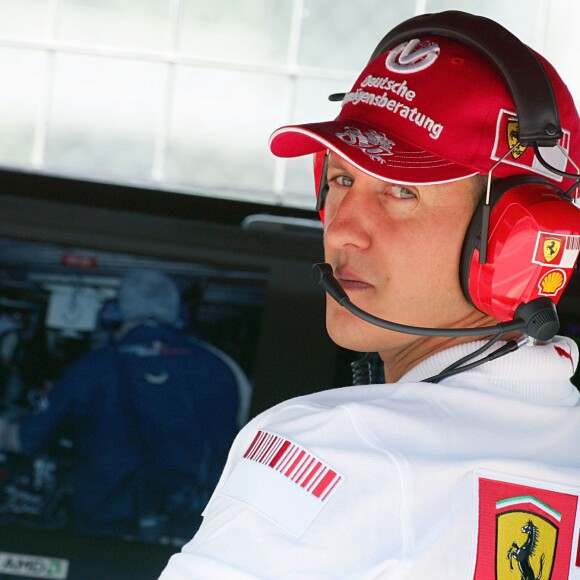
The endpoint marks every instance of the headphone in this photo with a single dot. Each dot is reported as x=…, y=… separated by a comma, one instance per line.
x=520, y=247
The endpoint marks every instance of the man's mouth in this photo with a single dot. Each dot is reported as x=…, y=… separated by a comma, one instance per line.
x=351, y=281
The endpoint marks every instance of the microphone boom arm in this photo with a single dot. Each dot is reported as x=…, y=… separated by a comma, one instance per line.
x=540, y=319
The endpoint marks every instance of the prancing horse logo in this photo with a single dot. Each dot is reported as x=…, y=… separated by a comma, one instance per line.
x=513, y=138
x=521, y=554
x=551, y=248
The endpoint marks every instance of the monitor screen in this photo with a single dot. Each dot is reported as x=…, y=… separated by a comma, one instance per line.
x=128, y=377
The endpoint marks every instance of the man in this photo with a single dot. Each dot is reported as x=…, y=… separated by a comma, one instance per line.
x=151, y=417
x=459, y=466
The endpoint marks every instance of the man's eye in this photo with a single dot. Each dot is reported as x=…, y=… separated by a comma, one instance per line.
x=342, y=180
x=402, y=192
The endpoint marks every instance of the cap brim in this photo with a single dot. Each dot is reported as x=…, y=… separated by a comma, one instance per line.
x=393, y=159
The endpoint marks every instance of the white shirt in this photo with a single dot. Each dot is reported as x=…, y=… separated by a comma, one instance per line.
x=406, y=480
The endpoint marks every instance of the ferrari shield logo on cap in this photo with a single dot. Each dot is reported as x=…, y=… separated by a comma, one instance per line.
x=506, y=137
x=513, y=135
x=526, y=530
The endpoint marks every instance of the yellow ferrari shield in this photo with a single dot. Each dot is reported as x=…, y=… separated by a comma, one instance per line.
x=526, y=545
x=513, y=135
x=551, y=248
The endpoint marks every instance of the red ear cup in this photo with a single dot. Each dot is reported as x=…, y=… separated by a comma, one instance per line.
x=533, y=246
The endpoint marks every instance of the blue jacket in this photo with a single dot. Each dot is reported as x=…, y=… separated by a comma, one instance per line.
x=151, y=417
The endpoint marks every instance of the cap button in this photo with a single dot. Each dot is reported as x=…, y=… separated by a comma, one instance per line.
x=551, y=129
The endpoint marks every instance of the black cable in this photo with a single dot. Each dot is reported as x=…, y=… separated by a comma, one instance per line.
x=568, y=193
x=361, y=370
x=508, y=347
x=473, y=354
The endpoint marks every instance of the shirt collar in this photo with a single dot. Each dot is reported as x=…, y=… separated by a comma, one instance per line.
x=535, y=371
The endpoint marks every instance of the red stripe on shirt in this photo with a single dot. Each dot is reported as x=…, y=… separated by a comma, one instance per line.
x=296, y=462
x=324, y=483
x=313, y=472
x=279, y=453
x=252, y=444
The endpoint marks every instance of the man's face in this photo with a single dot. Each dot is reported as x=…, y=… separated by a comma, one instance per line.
x=395, y=250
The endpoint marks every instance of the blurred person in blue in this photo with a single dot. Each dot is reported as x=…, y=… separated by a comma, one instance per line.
x=151, y=417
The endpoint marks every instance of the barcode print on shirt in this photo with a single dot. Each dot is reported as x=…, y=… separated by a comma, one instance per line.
x=573, y=243
x=293, y=462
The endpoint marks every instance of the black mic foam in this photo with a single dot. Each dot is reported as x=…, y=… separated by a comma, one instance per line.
x=323, y=275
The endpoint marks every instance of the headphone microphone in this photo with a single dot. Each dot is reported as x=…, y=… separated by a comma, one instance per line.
x=537, y=319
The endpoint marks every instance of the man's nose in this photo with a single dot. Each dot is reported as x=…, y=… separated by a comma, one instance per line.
x=348, y=223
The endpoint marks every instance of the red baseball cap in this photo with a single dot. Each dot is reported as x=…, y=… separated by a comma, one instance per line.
x=432, y=110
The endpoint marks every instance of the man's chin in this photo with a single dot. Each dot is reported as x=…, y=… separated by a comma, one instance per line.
x=360, y=336
x=350, y=332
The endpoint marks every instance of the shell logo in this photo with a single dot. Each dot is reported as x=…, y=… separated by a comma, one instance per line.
x=552, y=282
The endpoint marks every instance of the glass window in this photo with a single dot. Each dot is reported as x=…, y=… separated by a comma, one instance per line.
x=256, y=31
x=116, y=23
x=342, y=35
x=560, y=42
x=24, y=19
x=219, y=129
x=183, y=94
x=104, y=115
x=23, y=74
